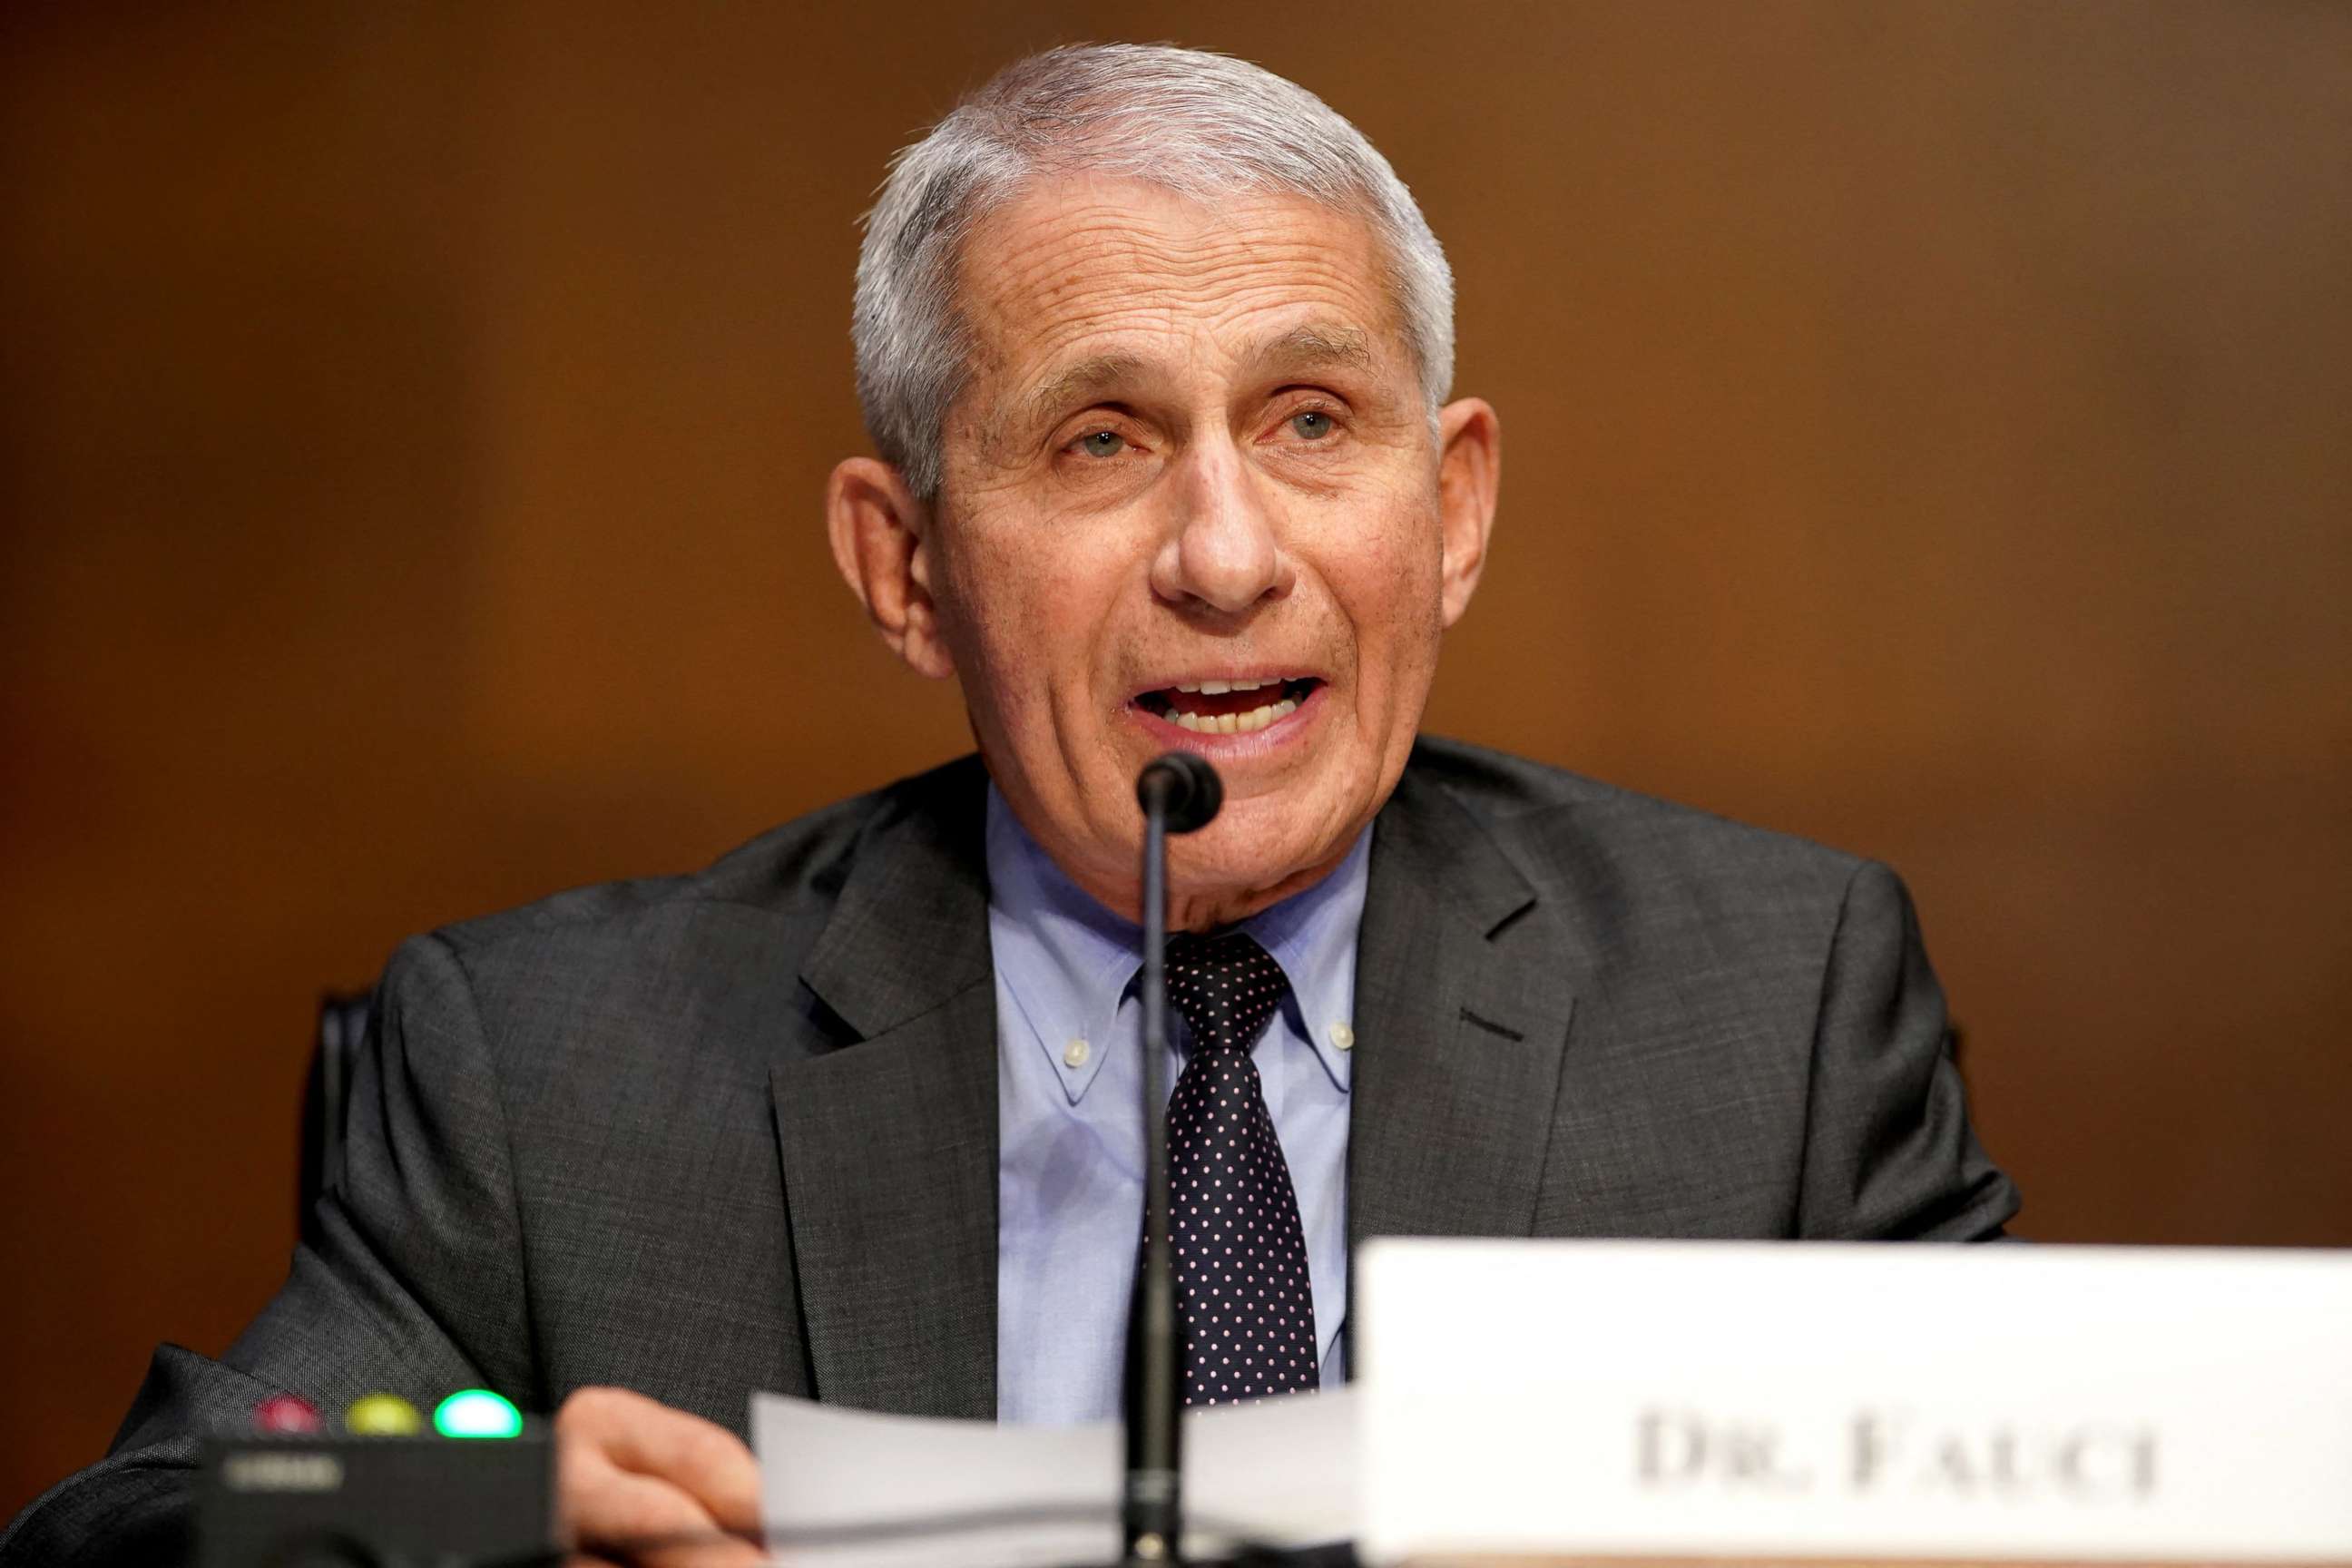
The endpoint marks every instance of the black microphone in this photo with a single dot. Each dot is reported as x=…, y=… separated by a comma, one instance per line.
x=1179, y=793
x=1186, y=787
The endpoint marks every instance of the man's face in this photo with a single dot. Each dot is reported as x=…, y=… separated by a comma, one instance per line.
x=1194, y=454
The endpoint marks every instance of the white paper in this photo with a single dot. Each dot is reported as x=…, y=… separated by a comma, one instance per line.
x=1279, y=1471
x=1696, y=1399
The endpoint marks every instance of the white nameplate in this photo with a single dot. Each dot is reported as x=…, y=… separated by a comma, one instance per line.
x=1619, y=1399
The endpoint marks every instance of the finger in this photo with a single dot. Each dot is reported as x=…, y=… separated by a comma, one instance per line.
x=623, y=1517
x=655, y=1439
x=650, y=1438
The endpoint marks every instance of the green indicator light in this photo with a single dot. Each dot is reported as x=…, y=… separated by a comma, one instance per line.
x=477, y=1413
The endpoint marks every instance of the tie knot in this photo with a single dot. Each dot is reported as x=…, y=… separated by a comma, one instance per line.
x=1226, y=986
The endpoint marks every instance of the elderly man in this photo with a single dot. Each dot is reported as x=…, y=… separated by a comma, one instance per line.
x=1155, y=351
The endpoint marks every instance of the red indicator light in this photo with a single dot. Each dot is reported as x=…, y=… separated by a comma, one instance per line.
x=284, y=1413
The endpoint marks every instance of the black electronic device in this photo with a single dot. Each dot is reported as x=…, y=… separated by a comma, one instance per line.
x=310, y=1501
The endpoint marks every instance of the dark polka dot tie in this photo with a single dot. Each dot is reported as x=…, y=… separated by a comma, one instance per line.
x=1243, y=1301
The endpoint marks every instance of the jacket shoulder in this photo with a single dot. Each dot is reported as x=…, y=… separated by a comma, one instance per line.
x=791, y=874
x=1579, y=836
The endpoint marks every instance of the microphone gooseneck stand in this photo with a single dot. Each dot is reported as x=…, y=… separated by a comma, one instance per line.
x=1179, y=793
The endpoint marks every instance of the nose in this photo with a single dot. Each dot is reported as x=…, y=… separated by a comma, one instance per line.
x=1224, y=548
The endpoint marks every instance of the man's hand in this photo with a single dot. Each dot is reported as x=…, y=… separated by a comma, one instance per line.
x=638, y=1482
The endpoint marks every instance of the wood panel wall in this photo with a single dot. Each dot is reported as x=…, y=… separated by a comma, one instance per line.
x=1930, y=431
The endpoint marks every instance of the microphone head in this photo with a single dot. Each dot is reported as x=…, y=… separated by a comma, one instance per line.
x=1188, y=788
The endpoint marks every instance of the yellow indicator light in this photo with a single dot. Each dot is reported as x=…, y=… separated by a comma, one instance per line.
x=477, y=1413
x=382, y=1415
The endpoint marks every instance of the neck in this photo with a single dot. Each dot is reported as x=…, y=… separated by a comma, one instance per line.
x=1200, y=908
x=1199, y=912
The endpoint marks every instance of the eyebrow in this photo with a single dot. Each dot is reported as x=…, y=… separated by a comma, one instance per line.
x=1078, y=383
x=1310, y=346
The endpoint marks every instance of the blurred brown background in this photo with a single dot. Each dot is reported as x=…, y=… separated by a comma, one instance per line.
x=1929, y=430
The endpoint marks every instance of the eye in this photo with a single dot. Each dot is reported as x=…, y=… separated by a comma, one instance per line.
x=1311, y=423
x=1102, y=443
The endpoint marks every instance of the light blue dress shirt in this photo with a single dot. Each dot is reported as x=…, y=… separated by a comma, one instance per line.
x=1069, y=1030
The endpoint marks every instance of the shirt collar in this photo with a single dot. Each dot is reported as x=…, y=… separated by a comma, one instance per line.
x=1065, y=960
x=1312, y=934
x=1068, y=961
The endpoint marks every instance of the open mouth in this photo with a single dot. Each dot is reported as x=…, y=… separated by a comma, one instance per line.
x=1229, y=707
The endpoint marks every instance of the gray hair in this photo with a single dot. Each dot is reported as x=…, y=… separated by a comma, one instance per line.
x=1199, y=124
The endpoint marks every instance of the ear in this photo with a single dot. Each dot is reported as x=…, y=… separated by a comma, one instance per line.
x=880, y=536
x=1469, y=476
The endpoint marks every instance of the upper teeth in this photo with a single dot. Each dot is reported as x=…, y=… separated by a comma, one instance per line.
x=1219, y=687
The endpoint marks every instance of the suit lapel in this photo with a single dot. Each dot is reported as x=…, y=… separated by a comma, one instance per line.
x=1463, y=1004
x=888, y=1144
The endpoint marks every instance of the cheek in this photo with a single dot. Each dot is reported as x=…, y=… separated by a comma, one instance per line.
x=1022, y=618
x=1391, y=589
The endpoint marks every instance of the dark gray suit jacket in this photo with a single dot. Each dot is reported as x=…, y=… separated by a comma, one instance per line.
x=706, y=1135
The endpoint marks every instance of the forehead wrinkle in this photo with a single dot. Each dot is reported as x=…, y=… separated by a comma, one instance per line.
x=1052, y=256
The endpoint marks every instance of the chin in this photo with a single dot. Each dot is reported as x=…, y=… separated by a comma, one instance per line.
x=1254, y=848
